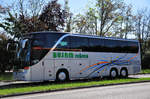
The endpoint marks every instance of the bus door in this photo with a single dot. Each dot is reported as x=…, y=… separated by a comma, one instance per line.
x=37, y=72
x=49, y=70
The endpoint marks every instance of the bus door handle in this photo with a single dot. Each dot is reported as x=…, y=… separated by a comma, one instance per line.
x=43, y=63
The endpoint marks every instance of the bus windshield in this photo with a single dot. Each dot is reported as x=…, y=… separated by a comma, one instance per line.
x=32, y=50
x=23, y=54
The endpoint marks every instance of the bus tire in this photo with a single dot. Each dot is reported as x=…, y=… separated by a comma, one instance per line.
x=62, y=75
x=113, y=73
x=124, y=73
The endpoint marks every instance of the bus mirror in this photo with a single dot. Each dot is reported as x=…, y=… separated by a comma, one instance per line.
x=8, y=46
x=12, y=46
x=24, y=43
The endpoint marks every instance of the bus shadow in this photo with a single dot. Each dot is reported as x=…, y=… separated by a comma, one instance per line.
x=44, y=83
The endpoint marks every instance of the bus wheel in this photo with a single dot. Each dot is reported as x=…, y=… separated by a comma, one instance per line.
x=113, y=73
x=124, y=73
x=62, y=75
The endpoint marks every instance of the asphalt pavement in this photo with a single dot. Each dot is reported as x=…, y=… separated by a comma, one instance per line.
x=127, y=91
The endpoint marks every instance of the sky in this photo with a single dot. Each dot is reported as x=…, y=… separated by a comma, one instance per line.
x=139, y=4
x=77, y=6
x=80, y=5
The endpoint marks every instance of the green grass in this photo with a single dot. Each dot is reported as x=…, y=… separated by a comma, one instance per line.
x=65, y=85
x=6, y=76
x=145, y=71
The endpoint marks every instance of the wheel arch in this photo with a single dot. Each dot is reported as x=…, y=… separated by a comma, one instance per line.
x=123, y=68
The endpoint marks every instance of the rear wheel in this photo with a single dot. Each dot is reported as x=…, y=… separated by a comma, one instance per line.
x=124, y=73
x=113, y=73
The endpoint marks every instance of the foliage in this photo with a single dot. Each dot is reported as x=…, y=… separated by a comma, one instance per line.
x=146, y=61
x=108, y=12
x=6, y=56
x=87, y=23
x=69, y=19
x=53, y=16
x=142, y=29
x=145, y=71
x=105, y=18
x=8, y=76
x=124, y=25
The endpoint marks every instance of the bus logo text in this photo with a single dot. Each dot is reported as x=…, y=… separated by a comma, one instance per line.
x=68, y=55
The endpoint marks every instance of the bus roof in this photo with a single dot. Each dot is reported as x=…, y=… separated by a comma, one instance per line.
x=81, y=35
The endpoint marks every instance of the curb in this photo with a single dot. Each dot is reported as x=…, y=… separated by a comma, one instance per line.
x=142, y=73
x=65, y=89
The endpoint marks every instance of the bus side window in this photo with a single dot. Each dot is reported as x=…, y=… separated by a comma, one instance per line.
x=133, y=47
x=113, y=46
x=64, y=45
x=96, y=45
x=108, y=47
x=38, y=43
x=124, y=47
x=128, y=47
x=79, y=43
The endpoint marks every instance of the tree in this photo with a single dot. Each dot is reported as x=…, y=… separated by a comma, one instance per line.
x=79, y=23
x=5, y=60
x=87, y=23
x=108, y=12
x=124, y=25
x=32, y=16
x=22, y=17
x=68, y=27
x=142, y=29
x=53, y=16
x=100, y=19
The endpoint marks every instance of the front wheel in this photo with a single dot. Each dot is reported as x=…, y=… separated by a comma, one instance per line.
x=62, y=76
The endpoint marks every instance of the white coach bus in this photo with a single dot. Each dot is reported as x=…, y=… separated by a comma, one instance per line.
x=59, y=56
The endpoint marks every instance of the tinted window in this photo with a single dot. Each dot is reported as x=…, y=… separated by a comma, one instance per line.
x=79, y=43
x=133, y=47
x=111, y=45
x=64, y=45
x=46, y=40
x=38, y=42
x=124, y=46
x=96, y=45
x=74, y=43
x=120, y=46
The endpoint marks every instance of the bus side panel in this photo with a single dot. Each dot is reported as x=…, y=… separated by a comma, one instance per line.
x=49, y=70
x=76, y=68
x=99, y=64
x=131, y=61
x=37, y=72
x=22, y=74
x=136, y=64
